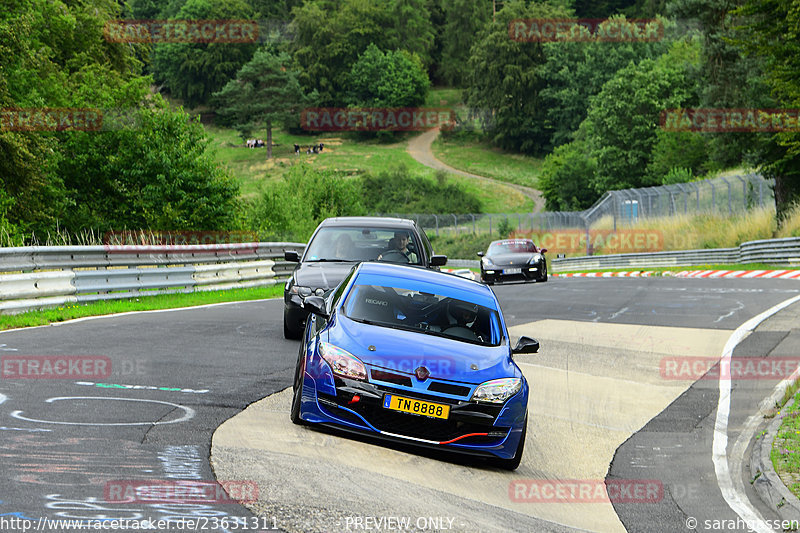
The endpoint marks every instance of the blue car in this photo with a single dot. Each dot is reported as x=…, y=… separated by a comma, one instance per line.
x=412, y=355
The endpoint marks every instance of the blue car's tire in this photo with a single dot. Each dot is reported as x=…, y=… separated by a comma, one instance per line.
x=513, y=463
x=298, y=393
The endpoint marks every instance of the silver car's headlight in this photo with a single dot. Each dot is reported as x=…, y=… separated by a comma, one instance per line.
x=497, y=390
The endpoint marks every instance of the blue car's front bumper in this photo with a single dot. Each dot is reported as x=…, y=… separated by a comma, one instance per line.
x=473, y=428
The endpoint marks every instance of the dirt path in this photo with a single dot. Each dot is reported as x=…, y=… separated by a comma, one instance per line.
x=420, y=149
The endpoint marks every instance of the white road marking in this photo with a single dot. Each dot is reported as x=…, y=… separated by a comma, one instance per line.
x=188, y=412
x=4, y=349
x=733, y=492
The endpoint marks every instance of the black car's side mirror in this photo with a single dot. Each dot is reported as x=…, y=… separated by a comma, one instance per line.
x=543, y=250
x=438, y=260
x=480, y=254
x=316, y=305
x=291, y=255
x=524, y=345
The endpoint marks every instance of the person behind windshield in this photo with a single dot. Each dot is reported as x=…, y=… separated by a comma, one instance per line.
x=343, y=247
x=462, y=314
x=399, y=245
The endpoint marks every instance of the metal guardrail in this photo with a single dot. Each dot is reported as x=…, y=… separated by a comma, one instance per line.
x=44, y=276
x=773, y=251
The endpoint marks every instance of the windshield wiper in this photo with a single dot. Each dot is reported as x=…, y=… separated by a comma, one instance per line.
x=332, y=261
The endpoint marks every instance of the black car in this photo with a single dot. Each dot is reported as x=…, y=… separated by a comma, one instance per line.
x=337, y=245
x=513, y=260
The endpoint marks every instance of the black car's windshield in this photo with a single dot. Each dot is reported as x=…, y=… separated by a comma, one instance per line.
x=432, y=314
x=394, y=245
x=512, y=246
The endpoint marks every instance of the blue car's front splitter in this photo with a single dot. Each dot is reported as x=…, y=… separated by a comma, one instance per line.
x=322, y=409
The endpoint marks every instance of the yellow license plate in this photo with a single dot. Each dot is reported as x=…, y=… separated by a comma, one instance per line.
x=416, y=407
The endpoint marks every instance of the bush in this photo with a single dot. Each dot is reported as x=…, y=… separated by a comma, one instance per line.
x=398, y=191
x=291, y=208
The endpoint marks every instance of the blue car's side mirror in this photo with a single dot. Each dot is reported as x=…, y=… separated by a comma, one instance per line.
x=526, y=345
x=316, y=305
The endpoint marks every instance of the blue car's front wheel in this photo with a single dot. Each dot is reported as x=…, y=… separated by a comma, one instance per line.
x=297, y=398
x=513, y=463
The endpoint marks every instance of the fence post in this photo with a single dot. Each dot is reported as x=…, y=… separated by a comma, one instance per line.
x=436, y=218
x=473, y=224
x=730, y=208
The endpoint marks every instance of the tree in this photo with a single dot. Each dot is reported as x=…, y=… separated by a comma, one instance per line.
x=194, y=71
x=566, y=178
x=391, y=79
x=329, y=37
x=265, y=92
x=622, y=123
x=465, y=19
x=156, y=175
x=770, y=34
x=575, y=71
x=505, y=80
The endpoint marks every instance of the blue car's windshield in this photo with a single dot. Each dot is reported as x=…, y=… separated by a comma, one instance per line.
x=432, y=314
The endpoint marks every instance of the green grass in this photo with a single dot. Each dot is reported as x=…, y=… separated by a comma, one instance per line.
x=443, y=97
x=785, y=449
x=142, y=303
x=346, y=154
x=479, y=157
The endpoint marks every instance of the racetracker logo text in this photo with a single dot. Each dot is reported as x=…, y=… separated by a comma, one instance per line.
x=694, y=368
x=181, y=31
x=55, y=366
x=180, y=491
x=730, y=120
x=609, y=241
x=585, y=30
x=50, y=119
x=586, y=491
x=376, y=119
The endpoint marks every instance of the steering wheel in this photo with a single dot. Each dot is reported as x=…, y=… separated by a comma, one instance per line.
x=395, y=255
x=461, y=332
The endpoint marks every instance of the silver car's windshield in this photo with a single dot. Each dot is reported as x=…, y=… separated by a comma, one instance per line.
x=393, y=245
x=515, y=246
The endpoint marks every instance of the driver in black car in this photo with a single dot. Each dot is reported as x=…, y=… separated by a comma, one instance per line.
x=399, y=247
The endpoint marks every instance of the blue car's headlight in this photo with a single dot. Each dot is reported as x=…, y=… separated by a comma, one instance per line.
x=497, y=390
x=342, y=362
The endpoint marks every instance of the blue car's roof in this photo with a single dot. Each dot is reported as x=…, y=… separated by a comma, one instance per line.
x=426, y=280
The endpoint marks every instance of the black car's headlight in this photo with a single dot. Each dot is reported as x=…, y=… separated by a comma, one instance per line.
x=497, y=390
x=306, y=291
x=487, y=262
x=536, y=258
x=342, y=362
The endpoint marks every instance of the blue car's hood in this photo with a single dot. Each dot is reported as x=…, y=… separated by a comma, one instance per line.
x=405, y=351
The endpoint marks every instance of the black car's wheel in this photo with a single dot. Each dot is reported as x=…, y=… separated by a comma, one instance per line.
x=513, y=463
x=543, y=276
x=290, y=331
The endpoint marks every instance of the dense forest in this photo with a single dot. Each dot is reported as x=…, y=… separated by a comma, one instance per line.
x=590, y=107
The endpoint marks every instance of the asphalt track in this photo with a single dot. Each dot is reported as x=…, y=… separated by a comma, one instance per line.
x=602, y=409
